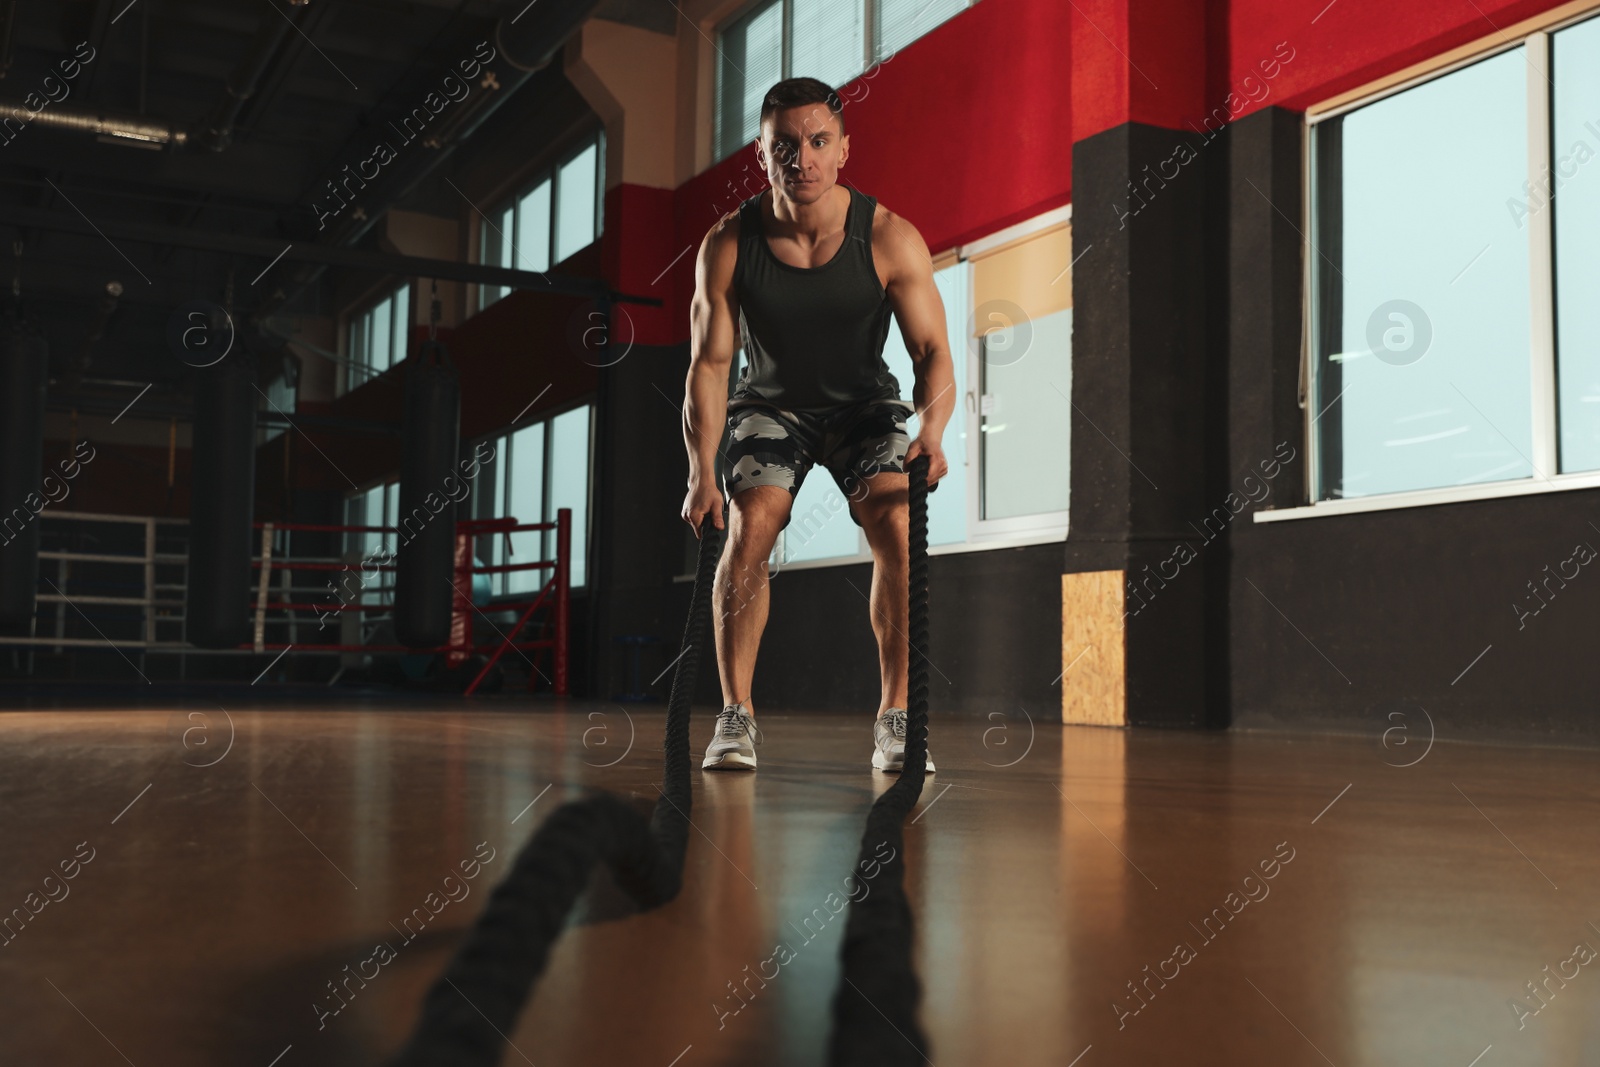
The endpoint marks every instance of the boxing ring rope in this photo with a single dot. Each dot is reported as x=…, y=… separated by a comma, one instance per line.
x=474, y=1004
x=279, y=600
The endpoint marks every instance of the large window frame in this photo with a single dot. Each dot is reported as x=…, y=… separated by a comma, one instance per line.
x=398, y=305
x=725, y=140
x=1533, y=37
x=493, y=226
x=494, y=492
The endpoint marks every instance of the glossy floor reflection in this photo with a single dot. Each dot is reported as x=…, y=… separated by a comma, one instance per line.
x=1083, y=895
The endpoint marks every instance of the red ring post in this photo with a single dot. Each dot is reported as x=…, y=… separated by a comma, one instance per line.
x=563, y=581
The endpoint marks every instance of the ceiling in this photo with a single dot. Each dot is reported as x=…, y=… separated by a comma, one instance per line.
x=316, y=82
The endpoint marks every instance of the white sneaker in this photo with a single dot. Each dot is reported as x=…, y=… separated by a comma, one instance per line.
x=889, y=742
x=731, y=747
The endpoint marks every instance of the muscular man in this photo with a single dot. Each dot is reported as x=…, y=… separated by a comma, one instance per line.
x=810, y=271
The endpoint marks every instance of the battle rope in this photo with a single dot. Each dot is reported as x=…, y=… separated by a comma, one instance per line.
x=875, y=1006
x=482, y=990
x=477, y=999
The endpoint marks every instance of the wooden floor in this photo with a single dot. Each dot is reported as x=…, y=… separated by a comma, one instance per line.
x=233, y=869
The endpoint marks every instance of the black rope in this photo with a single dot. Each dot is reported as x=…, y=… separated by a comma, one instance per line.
x=477, y=999
x=481, y=992
x=875, y=1007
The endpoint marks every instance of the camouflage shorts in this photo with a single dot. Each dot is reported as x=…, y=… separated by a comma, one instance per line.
x=775, y=446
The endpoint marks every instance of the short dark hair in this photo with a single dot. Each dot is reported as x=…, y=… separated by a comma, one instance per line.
x=793, y=92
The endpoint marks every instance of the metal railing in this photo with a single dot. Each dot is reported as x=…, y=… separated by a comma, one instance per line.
x=134, y=583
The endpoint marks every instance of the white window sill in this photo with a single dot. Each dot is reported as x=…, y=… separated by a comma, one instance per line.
x=1417, y=498
x=1016, y=540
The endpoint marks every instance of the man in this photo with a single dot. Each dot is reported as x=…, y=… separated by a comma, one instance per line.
x=810, y=270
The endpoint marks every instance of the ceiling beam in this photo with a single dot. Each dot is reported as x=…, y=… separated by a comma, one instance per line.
x=273, y=250
x=152, y=409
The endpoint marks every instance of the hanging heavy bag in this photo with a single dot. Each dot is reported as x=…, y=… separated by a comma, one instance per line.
x=222, y=494
x=424, y=567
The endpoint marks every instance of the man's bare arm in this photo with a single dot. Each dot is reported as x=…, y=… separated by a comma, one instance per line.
x=712, y=337
x=919, y=310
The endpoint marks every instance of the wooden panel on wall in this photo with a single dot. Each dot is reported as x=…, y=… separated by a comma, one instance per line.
x=1092, y=684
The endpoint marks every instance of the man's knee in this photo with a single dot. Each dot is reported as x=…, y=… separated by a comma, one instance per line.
x=882, y=507
x=757, y=517
x=760, y=506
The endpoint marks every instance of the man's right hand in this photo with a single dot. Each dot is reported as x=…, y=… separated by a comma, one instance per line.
x=703, y=497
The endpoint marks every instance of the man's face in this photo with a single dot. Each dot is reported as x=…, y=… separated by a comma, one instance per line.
x=802, y=151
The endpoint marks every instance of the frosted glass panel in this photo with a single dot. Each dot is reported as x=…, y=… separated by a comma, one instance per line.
x=902, y=21
x=533, y=229
x=830, y=40
x=525, y=491
x=373, y=513
x=1027, y=378
x=751, y=62
x=820, y=526
x=356, y=353
x=1577, y=221
x=575, y=201
x=569, y=483
x=401, y=334
x=947, y=504
x=1423, y=316
x=382, y=319
x=504, y=234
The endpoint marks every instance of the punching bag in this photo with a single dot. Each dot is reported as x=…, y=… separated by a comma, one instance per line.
x=429, y=484
x=24, y=368
x=222, y=490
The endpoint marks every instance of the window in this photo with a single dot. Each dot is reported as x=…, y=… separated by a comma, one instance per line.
x=1576, y=65
x=277, y=404
x=536, y=470
x=1009, y=323
x=558, y=215
x=833, y=40
x=377, y=506
x=1453, y=340
x=376, y=339
x=1024, y=376
x=902, y=21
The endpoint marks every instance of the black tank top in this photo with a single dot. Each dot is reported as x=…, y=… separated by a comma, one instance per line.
x=813, y=336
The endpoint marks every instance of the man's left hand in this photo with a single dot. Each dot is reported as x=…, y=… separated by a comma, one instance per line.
x=937, y=467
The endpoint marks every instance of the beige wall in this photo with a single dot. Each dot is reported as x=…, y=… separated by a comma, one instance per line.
x=620, y=70
x=410, y=233
x=317, y=371
x=697, y=81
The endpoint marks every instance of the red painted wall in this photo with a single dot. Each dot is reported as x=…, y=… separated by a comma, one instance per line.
x=639, y=245
x=1350, y=42
x=122, y=479
x=963, y=132
x=1141, y=61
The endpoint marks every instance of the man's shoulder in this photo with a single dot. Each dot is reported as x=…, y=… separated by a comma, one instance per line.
x=894, y=237
x=727, y=227
x=884, y=220
x=719, y=251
